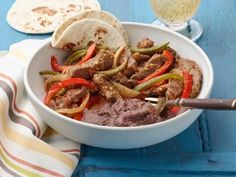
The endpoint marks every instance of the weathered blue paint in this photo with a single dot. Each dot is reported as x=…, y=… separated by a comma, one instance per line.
x=207, y=148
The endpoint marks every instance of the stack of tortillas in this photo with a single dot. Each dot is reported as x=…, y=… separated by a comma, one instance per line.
x=44, y=16
x=79, y=31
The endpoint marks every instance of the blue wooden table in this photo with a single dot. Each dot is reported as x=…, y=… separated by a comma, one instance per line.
x=208, y=147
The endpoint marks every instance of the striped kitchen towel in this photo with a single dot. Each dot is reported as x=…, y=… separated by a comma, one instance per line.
x=27, y=146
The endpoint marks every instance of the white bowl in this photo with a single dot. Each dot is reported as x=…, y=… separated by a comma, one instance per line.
x=119, y=137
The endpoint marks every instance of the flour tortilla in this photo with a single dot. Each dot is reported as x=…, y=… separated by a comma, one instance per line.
x=93, y=14
x=79, y=34
x=41, y=16
x=92, y=4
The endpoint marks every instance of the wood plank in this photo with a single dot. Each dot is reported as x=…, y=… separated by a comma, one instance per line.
x=218, y=41
x=185, y=164
x=188, y=141
x=103, y=172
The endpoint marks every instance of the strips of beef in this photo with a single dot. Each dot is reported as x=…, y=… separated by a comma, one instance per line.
x=155, y=62
x=140, y=58
x=174, y=90
x=145, y=43
x=102, y=61
x=106, y=89
x=159, y=91
x=69, y=99
x=85, y=72
x=121, y=78
x=156, y=59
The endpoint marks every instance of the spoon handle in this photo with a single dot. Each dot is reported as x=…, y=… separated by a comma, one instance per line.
x=216, y=104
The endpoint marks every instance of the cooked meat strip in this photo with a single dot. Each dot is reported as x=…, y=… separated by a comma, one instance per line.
x=132, y=64
x=83, y=72
x=157, y=91
x=121, y=78
x=145, y=43
x=106, y=89
x=122, y=113
x=194, y=70
x=156, y=59
x=74, y=95
x=155, y=62
x=140, y=58
x=102, y=61
x=68, y=99
x=144, y=72
x=131, y=68
x=175, y=89
x=130, y=83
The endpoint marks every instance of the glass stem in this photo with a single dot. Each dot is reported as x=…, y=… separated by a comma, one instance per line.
x=183, y=29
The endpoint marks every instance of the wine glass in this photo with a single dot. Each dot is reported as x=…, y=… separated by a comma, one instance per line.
x=177, y=15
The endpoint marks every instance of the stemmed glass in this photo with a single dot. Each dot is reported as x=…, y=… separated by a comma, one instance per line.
x=177, y=15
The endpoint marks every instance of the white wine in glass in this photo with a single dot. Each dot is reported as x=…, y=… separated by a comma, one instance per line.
x=177, y=15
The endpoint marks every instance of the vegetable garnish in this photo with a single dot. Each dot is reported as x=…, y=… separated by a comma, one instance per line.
x=93, y=100
x=163, y=69
x=122, y=51
x=78, y=116
x=59, y=68
x=188, y=83
x=75, y=110
x=151, y=50
x=155, y=80
x=56, y=78
x=58, y=86
x=90, y=52
x=75, y=56
x=125, y=91
x=114, y=71
x=56, y=66
x=48, y=73
x=161, y=104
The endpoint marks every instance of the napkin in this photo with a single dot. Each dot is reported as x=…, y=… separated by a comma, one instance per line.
x=28, y=147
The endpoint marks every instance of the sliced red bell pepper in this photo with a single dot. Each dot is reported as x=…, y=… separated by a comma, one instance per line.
x=58, y=86
x=93, y=100
x=90, y=52
x=70, y=111
x=169, y=60
x=56, y=66
x=78, y=116
x=146, y=85
x=59, y=68
x=188, y=83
